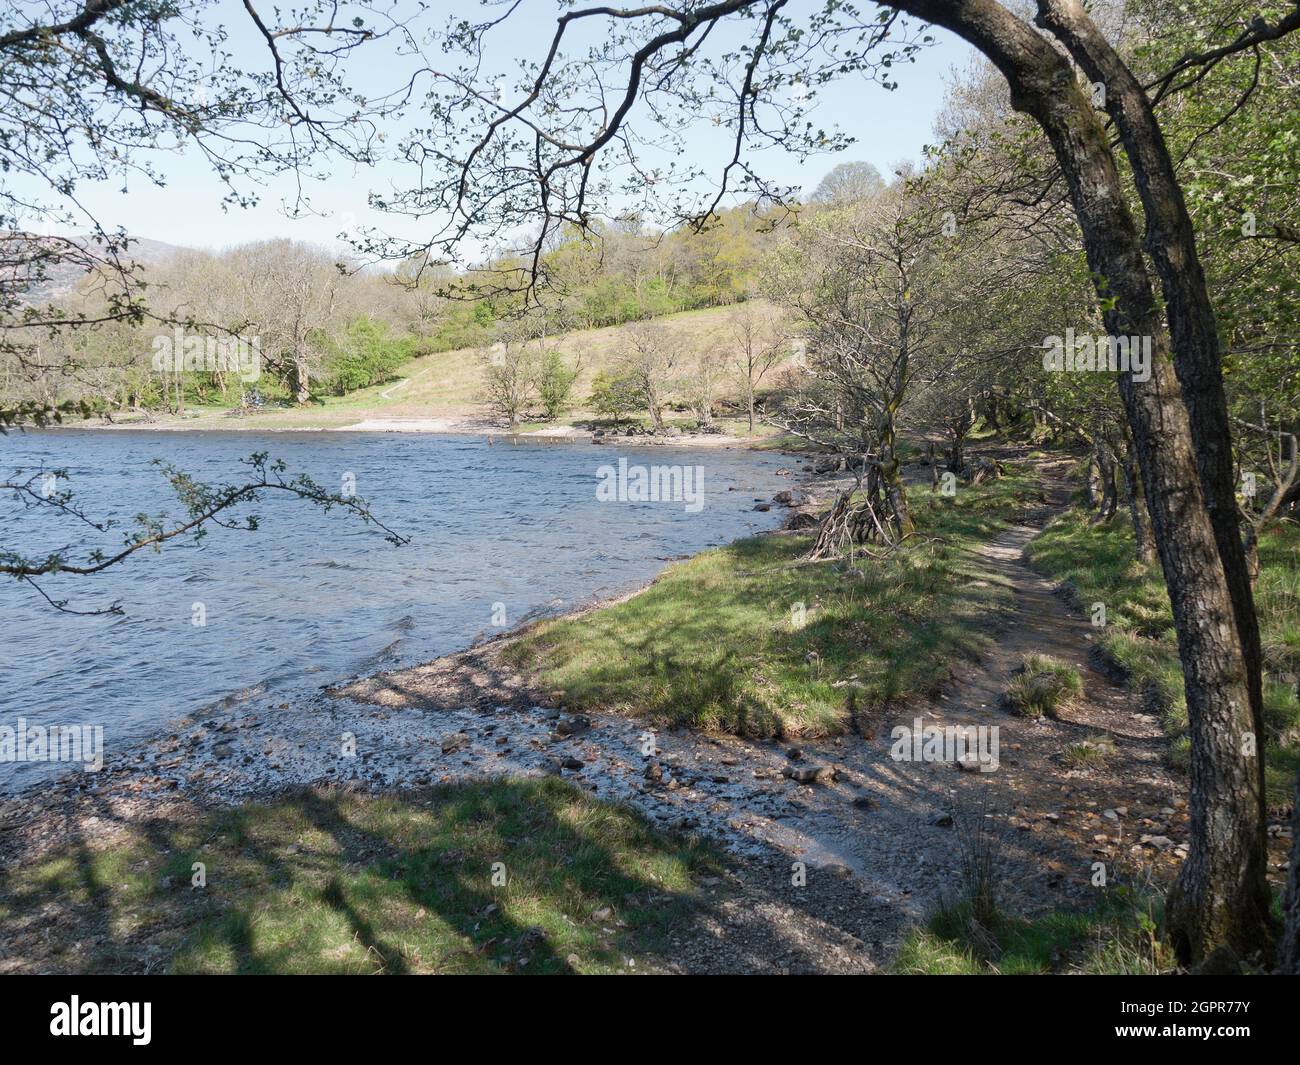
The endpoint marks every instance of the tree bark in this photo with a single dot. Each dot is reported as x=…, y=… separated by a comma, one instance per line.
x=1106, y=477
x=1289, y=947
x=302, y=387
x=1221, y=897
x=1143, y=540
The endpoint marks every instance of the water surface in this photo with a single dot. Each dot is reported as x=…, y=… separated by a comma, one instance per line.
x=312, y=598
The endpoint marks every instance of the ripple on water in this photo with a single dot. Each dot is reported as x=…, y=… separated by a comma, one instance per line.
x=312, y=597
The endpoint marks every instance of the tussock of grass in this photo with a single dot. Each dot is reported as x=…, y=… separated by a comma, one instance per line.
x=342, y=883
x=1041, y=686
x=1103, y=942
x=1096, y=562
x=1119, y=936
x=717, y=642
x=1090, y=753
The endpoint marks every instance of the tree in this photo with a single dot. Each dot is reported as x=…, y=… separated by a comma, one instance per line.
x=848, y=183
x=613, y=395
x=760, y=346
x=704, y=372
x=649, y=356
x=1178, y=417
x=510, y=370
x=290, y=292
x=555, y=381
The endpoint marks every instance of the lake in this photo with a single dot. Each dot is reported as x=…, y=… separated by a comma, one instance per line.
x=498, y=532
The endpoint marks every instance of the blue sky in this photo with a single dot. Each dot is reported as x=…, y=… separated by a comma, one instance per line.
x=890, y=127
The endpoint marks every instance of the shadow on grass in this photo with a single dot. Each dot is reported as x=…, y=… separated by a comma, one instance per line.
x=522, y=875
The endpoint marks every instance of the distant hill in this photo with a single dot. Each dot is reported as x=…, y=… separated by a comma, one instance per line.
x=62, y=276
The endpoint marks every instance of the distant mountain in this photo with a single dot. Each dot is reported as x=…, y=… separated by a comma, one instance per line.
x=62, y=275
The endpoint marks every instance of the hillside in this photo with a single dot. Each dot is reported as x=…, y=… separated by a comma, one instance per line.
x=441, y=391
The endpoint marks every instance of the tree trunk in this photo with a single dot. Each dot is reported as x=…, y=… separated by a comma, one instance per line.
x=1221, y=897
x=300, y=372
x=1171, y=242
x=1289, y=948
x=1092, y=482
x=891, y=478
x=957, y=453
x=1143, y=540
x=1106, y=474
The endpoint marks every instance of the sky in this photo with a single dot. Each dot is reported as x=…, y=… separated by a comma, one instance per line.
x=889, y=127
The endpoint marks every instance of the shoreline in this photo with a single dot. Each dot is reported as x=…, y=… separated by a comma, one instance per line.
x=140, y=769
x=451, y=425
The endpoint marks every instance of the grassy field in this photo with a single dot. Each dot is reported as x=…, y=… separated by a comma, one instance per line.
x=449, y=384
x=345, y=883
x=752, y=639
x=1097, y=564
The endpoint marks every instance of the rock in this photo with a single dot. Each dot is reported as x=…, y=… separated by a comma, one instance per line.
x=1110, y=815
x=602, y=914
x=810, y=774
x=864, y=802
x=571, y=726
x=455, y=741
x=572, y=763
x=789, y=498
x=654, y=771
x=835, y=869
x=970, y=763
x=794, y=753
x=1159, y=842
x=941, y=821
x=763, y=506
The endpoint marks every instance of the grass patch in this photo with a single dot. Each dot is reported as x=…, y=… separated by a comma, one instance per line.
x=752, y=639
x=1041, y=686
x=1119, y=937
x=1090, y=753
x=330, y=882
x=1097, y=564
